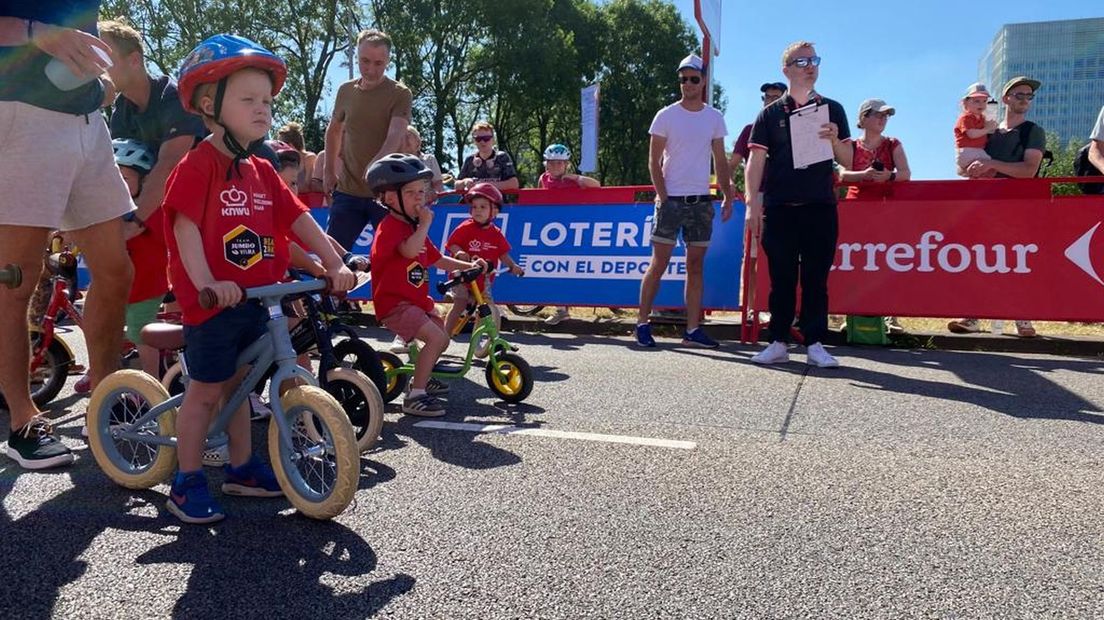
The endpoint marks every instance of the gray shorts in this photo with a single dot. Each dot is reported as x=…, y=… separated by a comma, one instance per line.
x=695, y=221
x=57, y=170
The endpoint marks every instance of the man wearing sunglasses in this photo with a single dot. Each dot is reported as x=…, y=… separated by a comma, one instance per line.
x=684, y=135
x=1016, y=148
x=487, y=164
x=796, y=211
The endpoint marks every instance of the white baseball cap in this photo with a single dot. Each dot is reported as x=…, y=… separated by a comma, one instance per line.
x=693, y=61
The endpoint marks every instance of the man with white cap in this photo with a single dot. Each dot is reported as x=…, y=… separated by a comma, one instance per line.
x=684, y=135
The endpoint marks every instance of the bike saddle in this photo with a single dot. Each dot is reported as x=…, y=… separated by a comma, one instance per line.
x=163, y=336
x=62, y=264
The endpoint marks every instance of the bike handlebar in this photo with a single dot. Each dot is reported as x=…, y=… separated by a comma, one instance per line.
x=11, y=276
x=460, y=277
x=208, y=300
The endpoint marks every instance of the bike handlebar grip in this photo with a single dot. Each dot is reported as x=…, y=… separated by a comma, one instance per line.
x=207, y=299
x=443, y=287
x=11, y=276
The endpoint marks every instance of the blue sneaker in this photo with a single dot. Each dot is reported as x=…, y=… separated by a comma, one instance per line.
x=191, y=501
x=699, y=338
x=254, y=479
x=644, y=335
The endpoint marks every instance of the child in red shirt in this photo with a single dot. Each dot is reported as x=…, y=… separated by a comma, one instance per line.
x=401, y=258
x=227, y=219
x=479, y=238
x=972, y=129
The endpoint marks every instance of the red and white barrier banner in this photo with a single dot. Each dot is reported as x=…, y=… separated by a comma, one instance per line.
x=1009, y=258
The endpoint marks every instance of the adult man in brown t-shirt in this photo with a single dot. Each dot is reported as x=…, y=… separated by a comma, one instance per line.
x=369, y=121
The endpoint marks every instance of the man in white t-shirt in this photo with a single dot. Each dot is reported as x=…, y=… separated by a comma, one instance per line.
x=1096, y=147
x=684, y=136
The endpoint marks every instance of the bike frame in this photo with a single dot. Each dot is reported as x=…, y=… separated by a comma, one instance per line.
x=485, y=326
x=272, y=347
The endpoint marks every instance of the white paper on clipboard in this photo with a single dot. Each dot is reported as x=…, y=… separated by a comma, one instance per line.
x=809, y=148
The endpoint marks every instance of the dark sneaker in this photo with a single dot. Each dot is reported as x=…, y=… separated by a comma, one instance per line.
x=34, y=446
x=644, y=335
x=699, y=338
x=424, y=406
x=190, y=499
x=254, y=479
x=436, y=387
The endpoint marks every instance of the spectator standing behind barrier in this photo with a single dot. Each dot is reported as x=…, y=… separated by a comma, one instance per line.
x=1096, y=143
x=972, y=129
x=487, y=163
x=876, y=158
x=772, y=91
x=557, y=159
x=369, y=121
x=412, y=145
x=1016, y=148
x=683, y=137
x=57, y=171
x=797, y=211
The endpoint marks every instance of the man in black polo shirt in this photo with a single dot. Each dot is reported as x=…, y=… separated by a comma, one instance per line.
x=147, y=110
x=797, y=209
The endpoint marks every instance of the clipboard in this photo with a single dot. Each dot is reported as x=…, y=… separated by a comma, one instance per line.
x=807, y=147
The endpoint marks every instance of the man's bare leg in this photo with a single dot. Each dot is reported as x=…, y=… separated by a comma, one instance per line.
x=22, y=246
x=105, y=254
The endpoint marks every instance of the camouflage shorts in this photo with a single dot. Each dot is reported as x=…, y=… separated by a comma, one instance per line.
x=695, y=221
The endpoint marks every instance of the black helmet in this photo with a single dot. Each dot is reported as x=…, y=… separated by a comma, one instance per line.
x=394, y=171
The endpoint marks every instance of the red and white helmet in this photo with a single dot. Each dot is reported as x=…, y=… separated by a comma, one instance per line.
x=486, y=190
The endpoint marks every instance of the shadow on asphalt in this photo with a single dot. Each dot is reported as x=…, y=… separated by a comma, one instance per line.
x=1001, y=383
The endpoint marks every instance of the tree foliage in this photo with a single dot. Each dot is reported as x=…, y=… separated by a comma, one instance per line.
x=518, y=64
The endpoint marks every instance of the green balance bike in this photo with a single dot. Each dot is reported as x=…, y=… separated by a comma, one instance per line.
x=508, y=375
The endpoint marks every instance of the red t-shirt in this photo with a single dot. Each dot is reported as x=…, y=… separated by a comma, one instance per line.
x=547, y=182
x=487, y=243
x=395, y=278
x=969, y=121
x=244, y=222
x=862, y=157
x=150, y=256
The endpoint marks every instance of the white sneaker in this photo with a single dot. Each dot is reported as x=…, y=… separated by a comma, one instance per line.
x=484, y=348
x=398, y=345
x=821, y=358
x=560, y=314
x=216, y=457
x=775, y=353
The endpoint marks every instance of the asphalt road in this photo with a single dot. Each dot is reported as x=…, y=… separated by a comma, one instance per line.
x=905, y=484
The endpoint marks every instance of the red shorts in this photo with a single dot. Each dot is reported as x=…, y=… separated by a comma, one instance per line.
x=407, y=319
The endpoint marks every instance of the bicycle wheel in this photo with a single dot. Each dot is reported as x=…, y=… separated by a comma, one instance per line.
x=524, y=310
x=319, y=474
x=397, y=383
x=513, y=381
x=122, y=398
x=173, y=380
x=361, y=401
x=47, y=379
x=355, y=353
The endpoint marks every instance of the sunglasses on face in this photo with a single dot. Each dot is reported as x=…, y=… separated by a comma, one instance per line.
x=804, y=61
x=693, y=79
x=1023, y=96
x=484, y=138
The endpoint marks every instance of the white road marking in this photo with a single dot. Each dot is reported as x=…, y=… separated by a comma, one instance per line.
x=507, y=429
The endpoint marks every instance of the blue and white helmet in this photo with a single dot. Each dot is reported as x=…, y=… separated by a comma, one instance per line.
x=557, y=152
x=133, y=154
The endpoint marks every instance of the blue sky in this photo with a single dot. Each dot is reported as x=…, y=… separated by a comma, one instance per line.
x=917, y=56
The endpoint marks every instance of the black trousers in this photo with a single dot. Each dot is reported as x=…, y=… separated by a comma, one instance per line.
x=349, y=215
x=800, y=242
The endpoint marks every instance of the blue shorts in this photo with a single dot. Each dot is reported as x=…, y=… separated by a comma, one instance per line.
x=212, y=348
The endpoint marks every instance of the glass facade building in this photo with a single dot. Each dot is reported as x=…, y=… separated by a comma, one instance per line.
x=1067, y=57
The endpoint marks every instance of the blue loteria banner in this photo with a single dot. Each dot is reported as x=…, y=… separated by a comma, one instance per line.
x=589, y=255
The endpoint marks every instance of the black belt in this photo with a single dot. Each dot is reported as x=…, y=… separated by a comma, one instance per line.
x=691, y=200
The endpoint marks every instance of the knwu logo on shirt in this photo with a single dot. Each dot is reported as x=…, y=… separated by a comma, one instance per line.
x=233, y=202
x=475, y=245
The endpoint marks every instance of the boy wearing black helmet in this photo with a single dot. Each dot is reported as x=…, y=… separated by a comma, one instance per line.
x=401, y=258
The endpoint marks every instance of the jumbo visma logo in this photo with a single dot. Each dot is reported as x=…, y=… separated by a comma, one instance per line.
x=416, y=274
x=242, y=247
